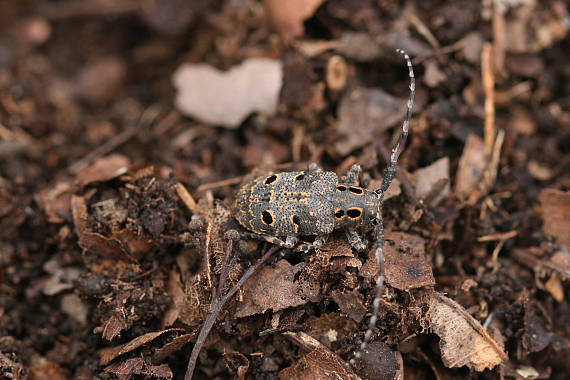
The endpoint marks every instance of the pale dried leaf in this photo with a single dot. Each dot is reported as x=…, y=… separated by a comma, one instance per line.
x=104, y=169
x=427, y=178
x=227, y=98
x=107, y=354
x=471, y=166
x=463, y=341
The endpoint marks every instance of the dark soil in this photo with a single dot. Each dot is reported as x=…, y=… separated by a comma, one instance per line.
x=115, y=205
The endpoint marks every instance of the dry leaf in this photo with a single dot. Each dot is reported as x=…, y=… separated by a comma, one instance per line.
x=288, y=16
x=104, y=169
x=227, y=98
x=271, y=288
x=427, y=180
x=471, y=166
x=350, y=304
x=463, y=341
x=378, y=361
x=405, y=262
x=125, y=370
x=363, y=113
x=318, y=364
x=109, y=353
x=555, y=212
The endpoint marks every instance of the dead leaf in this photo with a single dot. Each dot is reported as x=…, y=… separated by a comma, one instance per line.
x=364, y=113
x=350, y=304
x=463, y=341
x=109, y=353
x=173, y=346
x=471, y=166
x=125, y=370
x=555, y=212
x=427, y=180
x=288, y=16
x=104, y=169
x=113, y=326
x=406, y=266
x=109, y=248
x=271, y=288
x=227, y=98
x=162, y=371
x=378, y=361
x=318, y=364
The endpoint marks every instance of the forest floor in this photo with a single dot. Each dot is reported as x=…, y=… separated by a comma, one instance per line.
x=127, y=128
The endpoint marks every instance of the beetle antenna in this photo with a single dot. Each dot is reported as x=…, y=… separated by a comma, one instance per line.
x=391, y=171
x=379, y=230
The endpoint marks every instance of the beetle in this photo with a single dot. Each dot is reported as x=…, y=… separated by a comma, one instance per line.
x=279, y=208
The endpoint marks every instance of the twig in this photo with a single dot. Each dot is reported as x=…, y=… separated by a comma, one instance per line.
x=489, y=87
x=499, y=236
x=215, y=309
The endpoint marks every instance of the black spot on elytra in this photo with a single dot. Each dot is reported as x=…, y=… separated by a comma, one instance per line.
x=296, y=220
x=270, y=179
x=356, y=190
x=353, y=213
x=341, y=188
x=266, y=217
x=339, y=214
x=299, y=177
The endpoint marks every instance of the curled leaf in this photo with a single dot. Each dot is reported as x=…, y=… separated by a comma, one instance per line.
x=463, y=341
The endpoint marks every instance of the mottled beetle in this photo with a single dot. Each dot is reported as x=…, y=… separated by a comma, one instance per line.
x=313, y=202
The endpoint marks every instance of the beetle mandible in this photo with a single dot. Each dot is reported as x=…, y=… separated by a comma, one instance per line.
x=279, y=208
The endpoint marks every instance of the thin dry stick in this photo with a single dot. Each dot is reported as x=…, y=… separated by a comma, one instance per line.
x=489, y=88
x=216, y=307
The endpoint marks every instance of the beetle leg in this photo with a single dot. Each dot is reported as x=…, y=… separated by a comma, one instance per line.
x=352, y=175
x=355, y=240
x=289, y=242
x=318, y=243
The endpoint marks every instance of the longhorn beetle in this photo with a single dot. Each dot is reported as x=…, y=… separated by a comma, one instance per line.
x=313, y=202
